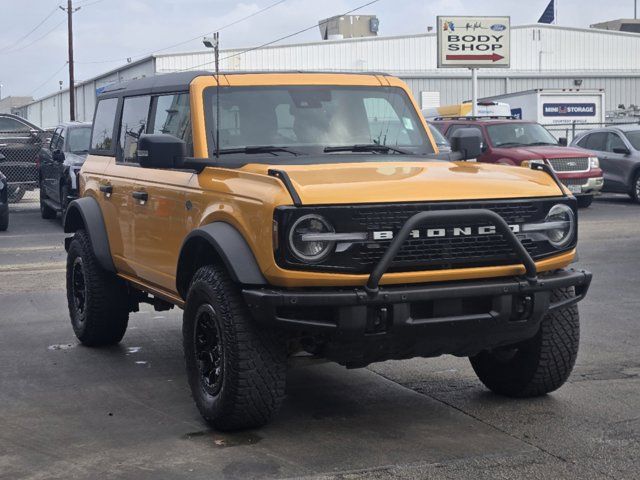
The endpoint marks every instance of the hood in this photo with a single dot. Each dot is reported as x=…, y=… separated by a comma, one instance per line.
x=382, y=182
x=541, y=152
x=74, y=159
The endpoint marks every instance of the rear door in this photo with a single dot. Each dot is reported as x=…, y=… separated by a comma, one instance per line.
x=617, y=163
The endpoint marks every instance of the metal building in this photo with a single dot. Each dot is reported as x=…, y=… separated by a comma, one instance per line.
x=542, y=56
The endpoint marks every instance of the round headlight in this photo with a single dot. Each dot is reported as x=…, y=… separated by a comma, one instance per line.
x=302, y=242
x=562, y=225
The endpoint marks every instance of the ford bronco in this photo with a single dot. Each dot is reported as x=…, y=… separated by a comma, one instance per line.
x=291, y=213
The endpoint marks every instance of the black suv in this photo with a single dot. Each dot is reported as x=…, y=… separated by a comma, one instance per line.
x=20, y=143
x=59, y=164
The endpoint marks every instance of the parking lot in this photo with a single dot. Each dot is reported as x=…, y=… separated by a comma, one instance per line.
x=68, y=411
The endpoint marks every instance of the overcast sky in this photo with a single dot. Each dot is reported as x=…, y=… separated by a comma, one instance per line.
x=108, y=31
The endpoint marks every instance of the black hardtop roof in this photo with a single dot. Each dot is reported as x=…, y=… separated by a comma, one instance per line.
x=179, y=81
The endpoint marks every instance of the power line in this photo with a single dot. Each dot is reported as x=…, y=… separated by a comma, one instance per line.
x=281, y=38
x=268, y=7
x=19, y=49
x=11, y=45
x=48, y=79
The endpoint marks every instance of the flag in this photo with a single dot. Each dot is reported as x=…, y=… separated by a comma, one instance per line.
x=548, y=16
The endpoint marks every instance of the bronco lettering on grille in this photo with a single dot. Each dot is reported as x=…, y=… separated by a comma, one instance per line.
x=382, y=235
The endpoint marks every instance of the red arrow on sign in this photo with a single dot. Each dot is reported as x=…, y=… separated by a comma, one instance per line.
x=493, y=57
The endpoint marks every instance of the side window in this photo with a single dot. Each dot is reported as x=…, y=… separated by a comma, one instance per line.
x=54, y=139
x=614, y=141
x=135, y=112
x=597, y=141
x=12, y=125
x=583, y=141
x=173, y=116
x=102, y=136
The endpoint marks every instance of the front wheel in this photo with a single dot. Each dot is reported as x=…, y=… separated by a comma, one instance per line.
x=539, y=365
x=236, y=370
x=98, y=300
x=635, y=188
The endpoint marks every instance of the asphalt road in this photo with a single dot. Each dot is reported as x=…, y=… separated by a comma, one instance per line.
x=67, y=411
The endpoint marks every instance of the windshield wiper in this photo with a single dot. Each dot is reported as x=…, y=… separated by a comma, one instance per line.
x=374, y=147
x=259, y=149
x=511, y=144
x=535, y=144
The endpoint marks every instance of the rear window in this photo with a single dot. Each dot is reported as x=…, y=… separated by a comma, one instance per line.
x=102, y=136
x=634, y=138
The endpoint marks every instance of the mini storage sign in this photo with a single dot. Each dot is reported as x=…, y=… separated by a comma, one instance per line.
x=474, y=42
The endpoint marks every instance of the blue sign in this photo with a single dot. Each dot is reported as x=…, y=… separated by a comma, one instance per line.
x=498, y=27
x=516, y=112
x=569, y=109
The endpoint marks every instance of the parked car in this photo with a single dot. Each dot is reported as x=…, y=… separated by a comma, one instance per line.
x=618, y=149
x=59, y=163
x=510, y=142
x=4, y=199
x=314, y=227
x=441, y=141
x=20, y=143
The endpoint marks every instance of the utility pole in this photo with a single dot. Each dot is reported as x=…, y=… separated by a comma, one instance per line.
x=72, y=91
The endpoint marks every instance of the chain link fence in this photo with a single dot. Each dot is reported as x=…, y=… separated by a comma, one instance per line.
x=19, y=162
x=573, y=129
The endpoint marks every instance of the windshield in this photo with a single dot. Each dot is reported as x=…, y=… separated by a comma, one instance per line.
x=634, y=138
x=308, y=119
x=78, y=139
x=518, y=134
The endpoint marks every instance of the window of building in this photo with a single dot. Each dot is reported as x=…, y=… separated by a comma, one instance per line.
x=102, y=136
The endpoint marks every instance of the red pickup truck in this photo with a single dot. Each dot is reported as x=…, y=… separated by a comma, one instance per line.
x=511, y=142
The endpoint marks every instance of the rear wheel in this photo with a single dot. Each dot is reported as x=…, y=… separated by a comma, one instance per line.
x=539, y=365
x=635, y=188
x=4, y=217
x=97, y=299
x=236, y=369
x=46, y=211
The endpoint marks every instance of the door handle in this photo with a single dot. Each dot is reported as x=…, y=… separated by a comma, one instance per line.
x=106, y=189
x=140, y=195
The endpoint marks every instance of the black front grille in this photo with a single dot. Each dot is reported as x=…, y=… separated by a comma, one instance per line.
x=471, y=249
x=574, y=181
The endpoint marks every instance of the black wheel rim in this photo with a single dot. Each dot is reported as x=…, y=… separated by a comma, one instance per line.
x=208, y=349
x=79, y=287
x=638, y=188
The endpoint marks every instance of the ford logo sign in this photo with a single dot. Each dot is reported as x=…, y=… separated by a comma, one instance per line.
x=498, y=27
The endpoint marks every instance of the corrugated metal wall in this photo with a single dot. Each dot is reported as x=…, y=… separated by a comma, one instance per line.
x=543, y=56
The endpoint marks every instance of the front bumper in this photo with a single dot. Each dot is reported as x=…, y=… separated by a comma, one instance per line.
x=460, y=318
x=580, y=183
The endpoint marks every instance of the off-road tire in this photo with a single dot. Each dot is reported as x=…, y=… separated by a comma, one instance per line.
x=251, y=384
x=4, y=218
x=103, y=316
x=584, y=201
x=46, y=211
x=539, y=365
x=635, y=188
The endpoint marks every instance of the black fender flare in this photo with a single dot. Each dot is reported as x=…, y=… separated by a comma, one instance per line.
x=84, y=213
x=229, y=245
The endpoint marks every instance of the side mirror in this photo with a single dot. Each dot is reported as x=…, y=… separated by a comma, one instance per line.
x=467, y=141
x=58, y=156
x=562, y=141
x=160, y=150
x=621, y=150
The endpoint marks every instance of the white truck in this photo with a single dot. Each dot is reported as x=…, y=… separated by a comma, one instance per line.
x=564, y=111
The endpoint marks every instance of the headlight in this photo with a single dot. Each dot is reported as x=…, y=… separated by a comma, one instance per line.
x=560, y=225
x=594, y=162
x=302, y=242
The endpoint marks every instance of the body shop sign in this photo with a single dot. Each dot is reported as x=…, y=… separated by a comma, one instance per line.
x=474, y=42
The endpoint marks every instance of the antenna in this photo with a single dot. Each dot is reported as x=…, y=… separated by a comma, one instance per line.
x=213, y=42
x=216, y=52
